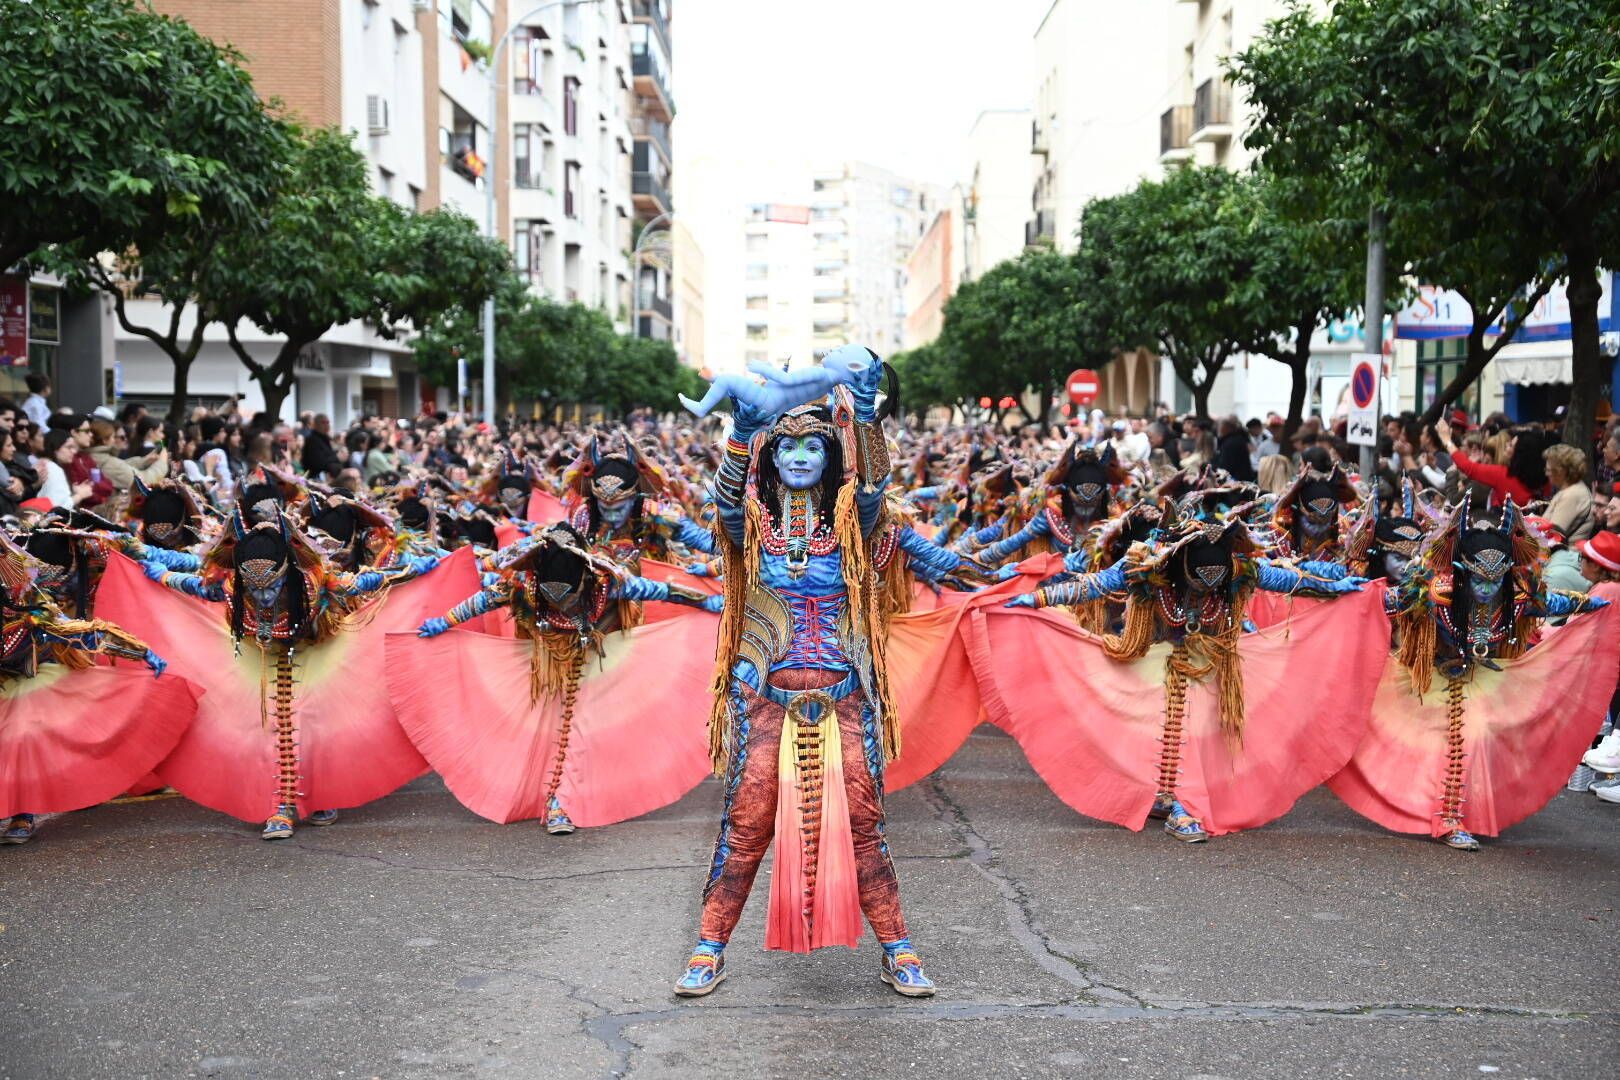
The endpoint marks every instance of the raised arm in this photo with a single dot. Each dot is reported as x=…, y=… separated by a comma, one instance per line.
x=190, y=584
x=1076, y=590
x=485, y=600
x=929, y=561
x=731, y=482
x=1276, y=577
x=1556, y=603
x=871, y=449
x=999, y=552
x=96, y=638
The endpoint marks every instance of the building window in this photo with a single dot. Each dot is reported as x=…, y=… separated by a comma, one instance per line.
x=1438, y=362
x=529, y=60
x=525, y=171
x=571, y=193
x=522, y=255
x=385, y=183
x=570, y=106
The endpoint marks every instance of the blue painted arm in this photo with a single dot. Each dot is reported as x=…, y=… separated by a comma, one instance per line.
x=190, y=584
x=929, y=561
x=694, y=536
x=1000, y=551
x=1332, y=571
x=1553, y=603
x=640, y=588
x=1076, y=590
x=491, y=597
x=174, y=560
x=925, y=494
x=869, y=505
x=1282, y=579
x=1078, y=561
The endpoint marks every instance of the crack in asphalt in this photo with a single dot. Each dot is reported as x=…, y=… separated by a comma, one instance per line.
x=1026, y=928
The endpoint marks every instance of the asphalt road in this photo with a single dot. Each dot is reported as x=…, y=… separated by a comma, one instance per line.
x=156, y=939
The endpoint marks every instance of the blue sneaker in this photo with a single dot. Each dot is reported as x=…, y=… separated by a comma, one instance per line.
x=321, y=817
x=704, y=971
x=1183, y=826
x=280, y=824
x=903, y=971
x=1162, y=805
x=20, y=830
x=557, y=821
x=1460, y=839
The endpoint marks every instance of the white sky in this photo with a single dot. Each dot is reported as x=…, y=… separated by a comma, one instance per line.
x=897, y=83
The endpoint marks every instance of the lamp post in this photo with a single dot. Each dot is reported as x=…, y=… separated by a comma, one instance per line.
x=489, y=184
x=635, y=269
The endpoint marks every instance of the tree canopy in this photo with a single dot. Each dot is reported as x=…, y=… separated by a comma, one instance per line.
x=123, y=126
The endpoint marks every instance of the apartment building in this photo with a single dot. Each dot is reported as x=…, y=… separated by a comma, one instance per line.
x=690, y=330
x=569, y=216
x=996, y=200
x=652, y=181
x=932, y=273
x=1100, y=66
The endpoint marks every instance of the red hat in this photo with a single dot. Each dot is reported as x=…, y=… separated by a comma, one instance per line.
x=1459, y=418
x=1545, y=529
x=42, y=506
x=1603, y=549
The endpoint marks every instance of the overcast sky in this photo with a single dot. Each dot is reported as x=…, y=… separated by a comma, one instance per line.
x=893, y=82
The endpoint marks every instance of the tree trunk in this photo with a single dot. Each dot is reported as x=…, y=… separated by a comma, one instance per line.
x=276, y=379
x=181, y=389
x=1200, y=393
x=1299, y=369
x=1587, y=361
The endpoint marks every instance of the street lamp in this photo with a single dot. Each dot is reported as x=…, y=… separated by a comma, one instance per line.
x=635, y=270
x=489, y=185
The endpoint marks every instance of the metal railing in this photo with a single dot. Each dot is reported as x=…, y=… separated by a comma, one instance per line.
x=1212, y=104
x=645, y=183
x=645, y=127
x=1175, y=128
x=1042, y=227
x=641, y=64
x=651, y=11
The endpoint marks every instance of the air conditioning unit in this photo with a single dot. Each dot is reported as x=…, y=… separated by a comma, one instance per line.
x=377, y=114
x=421, y=5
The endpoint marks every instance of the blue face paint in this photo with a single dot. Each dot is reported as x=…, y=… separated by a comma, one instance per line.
x=265, y=599
x=1484, y=592
x=614, y=515
x=801, y=462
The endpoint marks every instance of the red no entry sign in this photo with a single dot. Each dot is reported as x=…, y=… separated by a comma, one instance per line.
x=1363, y=385
x=1083, y=386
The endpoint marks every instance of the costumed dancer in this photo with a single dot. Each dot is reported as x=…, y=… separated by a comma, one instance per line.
x=803, y=718
x=315, y=682
x=73, y=733
x=586, y=718
x=1510, y=721
x=1242, y=731
x=1307, y=517
x=616, y=502
x=1077, y=500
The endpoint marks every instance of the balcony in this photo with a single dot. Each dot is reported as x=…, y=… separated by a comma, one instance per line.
x=1175, y=127
x=1212, y=112
x=649, y=194
x=650, y=85
x=1040, y=229
x=464, y=159
x=651, y=12
x=651, y=303
x=1038, y=143
x=645, y=128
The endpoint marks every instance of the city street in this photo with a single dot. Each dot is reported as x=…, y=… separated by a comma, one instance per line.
x=154, y=938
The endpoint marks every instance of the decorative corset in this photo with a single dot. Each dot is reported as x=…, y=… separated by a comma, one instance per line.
x=815, y=635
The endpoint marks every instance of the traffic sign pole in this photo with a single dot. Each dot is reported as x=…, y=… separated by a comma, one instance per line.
x=1373, y=324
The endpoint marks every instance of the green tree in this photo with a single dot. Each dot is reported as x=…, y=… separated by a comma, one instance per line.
x=122, y=127
x=929, y=375
x=334, y=253
x=1487, y=132
x=1020, y=326
x=1165, y=264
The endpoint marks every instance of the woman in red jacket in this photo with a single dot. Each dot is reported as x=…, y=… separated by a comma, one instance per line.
x=1523, y=478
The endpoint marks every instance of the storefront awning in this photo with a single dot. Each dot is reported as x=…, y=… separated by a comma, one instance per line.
x=1535, y=370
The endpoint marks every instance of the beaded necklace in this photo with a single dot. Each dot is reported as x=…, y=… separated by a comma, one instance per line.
x=797, y=531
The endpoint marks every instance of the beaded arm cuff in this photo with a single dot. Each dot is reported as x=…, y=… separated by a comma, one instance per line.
x=493, y=597
x=1083, y=588
x=1552, y=603
x=998, y=552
